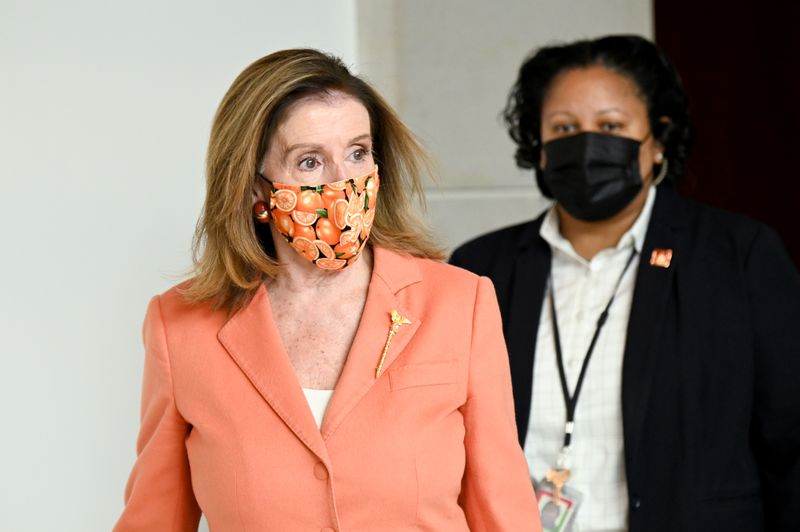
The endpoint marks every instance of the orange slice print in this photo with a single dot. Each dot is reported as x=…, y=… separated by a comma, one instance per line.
x=345, y=251
x=306, y=248
x=325, y=249
x=348, y=237
x=339, y=210
x=369, y=217
x=331, y=264
x=355, y=205
x=284, y=199
x=361, y=183
x=338, y=185
x=356, y=222
x=304, y=218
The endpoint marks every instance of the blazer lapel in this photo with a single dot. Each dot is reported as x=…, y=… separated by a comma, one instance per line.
x=252, y=340
x=650, y=297
x=391, y=272
x=526, y=288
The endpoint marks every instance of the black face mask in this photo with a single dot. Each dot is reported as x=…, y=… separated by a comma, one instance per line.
x=593, y=175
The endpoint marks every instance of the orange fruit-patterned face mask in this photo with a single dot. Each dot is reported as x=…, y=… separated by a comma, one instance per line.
x=327, y=224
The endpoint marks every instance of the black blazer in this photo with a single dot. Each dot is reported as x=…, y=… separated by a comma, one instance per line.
x=711, y=370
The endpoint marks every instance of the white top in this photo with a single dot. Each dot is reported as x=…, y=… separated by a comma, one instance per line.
x=318, y=402
x=582, y=290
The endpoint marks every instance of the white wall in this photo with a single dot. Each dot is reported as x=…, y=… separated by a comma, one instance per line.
x=105, y=109
x=447, y=65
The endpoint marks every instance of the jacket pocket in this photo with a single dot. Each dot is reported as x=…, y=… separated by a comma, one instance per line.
x=428, y=374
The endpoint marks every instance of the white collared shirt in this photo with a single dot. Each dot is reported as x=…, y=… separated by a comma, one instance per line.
x=582, y=290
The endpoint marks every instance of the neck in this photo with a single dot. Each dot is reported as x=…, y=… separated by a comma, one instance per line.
x=300, y=275
x=590, y=238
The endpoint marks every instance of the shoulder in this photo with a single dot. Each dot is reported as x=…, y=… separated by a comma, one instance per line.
x=480, y=253
x=401, y=269
x=429, y=282
x=450, y=300
x=718, y=232
x=443, y=274
x=177, y=314
x=721, y=220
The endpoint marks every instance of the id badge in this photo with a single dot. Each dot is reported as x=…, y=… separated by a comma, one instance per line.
x=557, y=516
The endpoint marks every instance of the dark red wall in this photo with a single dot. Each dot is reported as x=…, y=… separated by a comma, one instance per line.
x=740, y=68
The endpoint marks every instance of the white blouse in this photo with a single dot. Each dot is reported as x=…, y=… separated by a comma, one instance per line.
x=318, y=402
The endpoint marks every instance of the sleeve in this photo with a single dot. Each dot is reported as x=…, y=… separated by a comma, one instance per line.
x=158, y=496
x=774, y=286
x=496, y=491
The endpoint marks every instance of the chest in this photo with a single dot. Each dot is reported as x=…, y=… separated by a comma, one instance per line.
x=317, y=332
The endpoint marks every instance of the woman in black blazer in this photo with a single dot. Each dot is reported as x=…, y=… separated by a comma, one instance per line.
x=709, y=392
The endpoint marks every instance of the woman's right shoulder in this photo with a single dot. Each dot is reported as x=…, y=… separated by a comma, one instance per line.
x=175, y=309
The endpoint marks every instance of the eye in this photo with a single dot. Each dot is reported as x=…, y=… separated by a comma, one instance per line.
x=309, y=163
x=361, y=154
x=612, y=127
x=564, y=129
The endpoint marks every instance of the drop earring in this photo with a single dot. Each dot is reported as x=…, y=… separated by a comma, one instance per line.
x=261, y=212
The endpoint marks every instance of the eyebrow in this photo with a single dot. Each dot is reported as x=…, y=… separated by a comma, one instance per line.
x=612, y=110
x=315, y=147
x=600, y=112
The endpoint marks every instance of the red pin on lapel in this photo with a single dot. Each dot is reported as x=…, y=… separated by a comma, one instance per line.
x=661, y=258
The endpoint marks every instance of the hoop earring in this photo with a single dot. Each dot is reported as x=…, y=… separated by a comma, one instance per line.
x=261, y=212
x=662, y=172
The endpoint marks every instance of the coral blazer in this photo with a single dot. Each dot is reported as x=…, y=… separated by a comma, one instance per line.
x=429, y=445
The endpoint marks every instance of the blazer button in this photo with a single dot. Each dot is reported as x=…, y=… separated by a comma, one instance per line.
x=321, y=473
x=636, y=502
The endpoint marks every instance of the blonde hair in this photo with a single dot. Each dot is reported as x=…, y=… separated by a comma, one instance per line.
x=232, y=257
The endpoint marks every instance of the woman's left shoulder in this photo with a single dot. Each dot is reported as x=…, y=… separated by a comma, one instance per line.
x=444, y=274
x=435, y=278
x=720, y=231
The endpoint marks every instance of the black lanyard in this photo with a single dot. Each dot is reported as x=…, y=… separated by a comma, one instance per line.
x=572, y=401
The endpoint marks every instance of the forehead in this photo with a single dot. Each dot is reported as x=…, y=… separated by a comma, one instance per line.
x=324, y=114
x=592, y=89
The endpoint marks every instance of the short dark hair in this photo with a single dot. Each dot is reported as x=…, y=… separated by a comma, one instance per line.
x=632, y=56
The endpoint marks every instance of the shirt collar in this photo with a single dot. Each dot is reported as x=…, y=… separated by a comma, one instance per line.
x=550, y=232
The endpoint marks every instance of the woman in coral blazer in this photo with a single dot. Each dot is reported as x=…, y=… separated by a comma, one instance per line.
x=291, y=308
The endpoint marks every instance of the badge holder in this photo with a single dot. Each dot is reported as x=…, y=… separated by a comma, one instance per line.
x=558, y=503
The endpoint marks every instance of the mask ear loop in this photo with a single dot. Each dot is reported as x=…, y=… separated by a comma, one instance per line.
x=662, y=172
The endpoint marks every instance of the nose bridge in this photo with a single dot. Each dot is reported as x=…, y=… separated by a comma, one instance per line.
x=337, y=170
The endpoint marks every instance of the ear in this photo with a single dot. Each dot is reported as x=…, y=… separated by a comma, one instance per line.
x=260, y=189
x=664, y=123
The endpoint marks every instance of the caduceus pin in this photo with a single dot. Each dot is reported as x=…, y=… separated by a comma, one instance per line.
x=397, y=321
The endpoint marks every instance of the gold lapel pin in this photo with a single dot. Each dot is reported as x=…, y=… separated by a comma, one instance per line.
x=661, y=258
x=397, y=320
